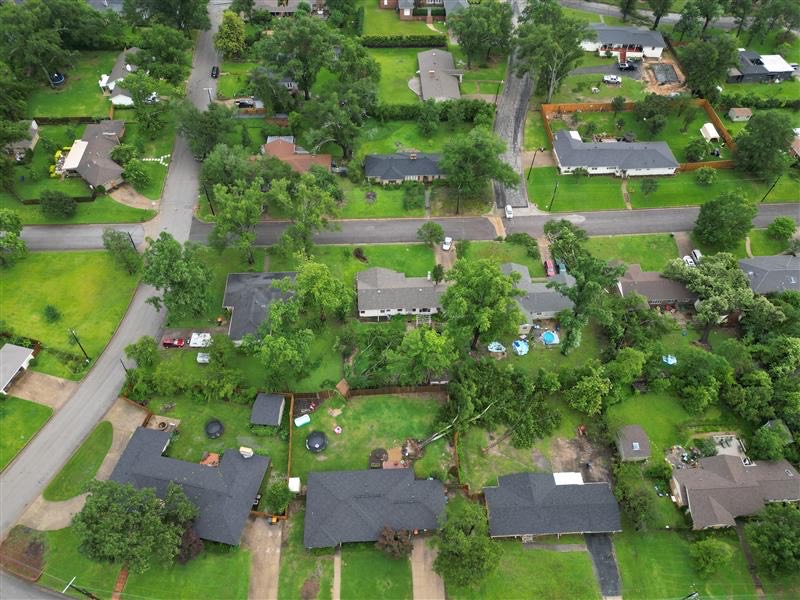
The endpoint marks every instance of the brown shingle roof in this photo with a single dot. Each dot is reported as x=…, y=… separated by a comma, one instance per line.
x=654, y=287
x=633, y=443
x=96, y=166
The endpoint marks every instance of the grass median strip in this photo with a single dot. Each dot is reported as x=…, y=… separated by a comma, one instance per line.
x=82, y=466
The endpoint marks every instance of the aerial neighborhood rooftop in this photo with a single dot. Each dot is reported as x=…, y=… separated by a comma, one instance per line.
x=399, y=300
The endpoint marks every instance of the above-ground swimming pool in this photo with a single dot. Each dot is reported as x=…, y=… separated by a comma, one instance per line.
x=549, y=337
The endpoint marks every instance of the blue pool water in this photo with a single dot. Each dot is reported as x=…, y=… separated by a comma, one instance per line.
x=548, y=337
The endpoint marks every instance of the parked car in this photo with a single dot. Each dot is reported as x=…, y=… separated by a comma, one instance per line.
x=447, y=244
x=696, y=255
x=246, y=103
x=153, y=98
x=169, y=342
x=562, y=268
x=689, y=262
x=549, y=268
x=215, y=71
x=626, y=66
x=612, y=79
x=509, y=211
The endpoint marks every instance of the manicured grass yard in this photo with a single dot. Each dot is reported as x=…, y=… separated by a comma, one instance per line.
x=504, y=252
x=398, y=65
x=299, y=565
x=652, y=252
x=393, y=136
x=63, y=561
x=89, y=290
x=478, y=469
x=82, y=466
x=600, y=192
x=541, y=356
x=369, y=422
x=535, y=135
x=79, y=96
x=104, y=209
x=445, y=202
x=494, y=71
x=160, y=146
x=786, y=90
x=578, y=88
x=234, y=79
x=378, y=21
x=19, y=422
x=369, y=574
x=656, y=564
x=763, y=245
x=535, y=574
x=388, y=202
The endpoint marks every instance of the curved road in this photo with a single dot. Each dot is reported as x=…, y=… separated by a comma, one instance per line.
x=613, y=11
x=24, y=478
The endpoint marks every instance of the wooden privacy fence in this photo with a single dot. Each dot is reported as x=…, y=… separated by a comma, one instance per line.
x=394, y=389
x=712, y=164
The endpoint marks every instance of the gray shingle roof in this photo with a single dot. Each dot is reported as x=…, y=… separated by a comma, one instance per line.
x=96, y=166
x=451, y=7
x=223, y=494
x=532, y=504
x=632, y=36
x=249, y=296
x=437, y=75
x=654, y=287
x=12, y=357
x=772, y=273
x=380, y=288
x=391, y=167
x=633, y=443
x=267, y=410
x=572, y=153
x=353, y=506
x=538, y=297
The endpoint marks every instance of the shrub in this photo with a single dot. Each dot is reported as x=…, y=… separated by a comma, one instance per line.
x=580, y=173
x=782, y=228
x=413, y=195
x=51, y=313
x=395, y=542
x=404, y=41
x=123, y=153
x=697, y=150
x=191, y=546
x=649, y=185
x=525, y=240
x=659, y=471
x=55, y=203
x=709, y=555
x=705, y=175
x=278, y=497
x=706, y=446
x=136, y=174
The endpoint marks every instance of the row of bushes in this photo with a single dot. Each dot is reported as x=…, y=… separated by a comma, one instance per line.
x=437, y=40
x=423, y=12
x=728, y=100
x=469, y=110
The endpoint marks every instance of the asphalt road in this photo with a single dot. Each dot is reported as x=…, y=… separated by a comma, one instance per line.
x=23, y=480
x=668, y=19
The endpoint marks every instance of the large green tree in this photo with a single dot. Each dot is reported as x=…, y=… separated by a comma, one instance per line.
x=762, y=149
x=238, y=211
x=483, y=30
x=204, y=129
x=705, y=64
x=659, y=8
x=423, y=353
x=121, y=248
x=226, y=165
x=709, y=10
x=123, y=525
x=151, y=115
x=12, y=247
x=775, y=537
x=319, y=293
x=725, y=221
x=180, y=14
x=179, y=273
x=163, y=53
x=230, y=39
x=690, y=22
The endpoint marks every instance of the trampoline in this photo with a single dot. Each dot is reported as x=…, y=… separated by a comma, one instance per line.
x=56, y=79
x=316, y=441
x=665, y=73
x=214, y=429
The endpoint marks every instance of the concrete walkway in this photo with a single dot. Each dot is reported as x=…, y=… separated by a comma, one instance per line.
x=264, y=542
x=748, y=250
x=43, y=389
x=427, y=584
x=337, y=574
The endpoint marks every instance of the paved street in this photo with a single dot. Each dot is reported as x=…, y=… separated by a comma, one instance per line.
x=668, y=19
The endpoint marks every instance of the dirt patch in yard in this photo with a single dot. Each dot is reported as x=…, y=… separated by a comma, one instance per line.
x=579, y=455
x=653, y=87
x=22, y=553
x=310, y=589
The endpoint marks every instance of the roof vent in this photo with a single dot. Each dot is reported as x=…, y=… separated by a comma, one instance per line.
x=636, y=445
x=246, y=452
x=789, y=473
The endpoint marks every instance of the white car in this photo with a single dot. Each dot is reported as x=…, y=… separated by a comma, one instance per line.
x=200, y=340
x=612, y=79
x=696, y=255
x=447, y=244
x=203, y=358
x=509, y=211
x=689, y=261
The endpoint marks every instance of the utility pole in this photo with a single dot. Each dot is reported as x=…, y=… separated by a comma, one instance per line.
x=497, y=93
x=555, y=189
x=772, y=187
x=123, y=366
x=533, y=160
x=77, y=341
x=130, y=237
x=210, y=204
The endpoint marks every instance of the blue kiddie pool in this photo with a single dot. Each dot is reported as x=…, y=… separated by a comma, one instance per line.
x=520, y=347
x=549, y=338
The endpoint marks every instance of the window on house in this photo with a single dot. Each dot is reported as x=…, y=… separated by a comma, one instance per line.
x=383, y=311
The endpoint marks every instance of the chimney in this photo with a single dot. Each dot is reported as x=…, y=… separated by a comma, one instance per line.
x=246, y=452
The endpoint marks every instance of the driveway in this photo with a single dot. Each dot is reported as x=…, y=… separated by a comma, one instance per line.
x=605, y=563
x=427, y=584
x=264, y=542
x=43, y=389
x=608, y=70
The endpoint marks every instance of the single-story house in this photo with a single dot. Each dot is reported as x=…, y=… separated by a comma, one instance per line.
x=286, y=81
x=438, y=76
x=90, y=157
x=111, y=84
x=267, y=410
x=223, y=495
x=13, y=361
x=402, y=166
x=300, y=160
x=280, y=8
x=722, y=488
x=623, y=159
x=21, y=147
x=656, y=289
x=625, y=42
x=738, y=114
x=754, y=67
x=550, y=503
x=709, y=132
x=769, y=274
x=405, y=8
x=384, y=293
x=539, y=301
x=632, y=443
x=248, y=297
x=353, y=506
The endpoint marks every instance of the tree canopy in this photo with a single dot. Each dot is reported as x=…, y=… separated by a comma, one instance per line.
x=423, y=353
x=238, y=211
x=725, y=221
x=775, y=537
x=180, y=14
x=483, y=30
x=762, y=148
x=204, y=129
x=706, y=63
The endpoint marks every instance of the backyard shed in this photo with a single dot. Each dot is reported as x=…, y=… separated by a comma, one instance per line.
x=13, y=359
x=633, y=444
x=709, y=133
x=739, y=114
x=267, y=410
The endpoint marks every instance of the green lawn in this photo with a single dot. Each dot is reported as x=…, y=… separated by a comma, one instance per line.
x=379, y=21
x=479, y=470
x=652, y=252
x=551, y=358
x=494, y=71
x=104, y=209
x=535, y=135
x=504, y=252
x=82, y=466
x=763, y=245
x=152, y=148
x=387, y=203
x=578, y=88
x=523, y=573
x=234, y=79
x=19, y=422
x=369, y=422
x=600, y=192
x=656, y=564
x=91, y=292
x=299, y=565
x=393, y=136
x=682, y=189
x=783, y=586
x=80, y=96
x=369, y=574
x=398, y=65
x=786, y=90
x=445, y=202
x=63, y=561
x=735, y=127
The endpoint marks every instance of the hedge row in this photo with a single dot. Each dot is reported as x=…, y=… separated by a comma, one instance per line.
x=410, y=112
x=437, y=40
x=423, y=12
x=731, y=99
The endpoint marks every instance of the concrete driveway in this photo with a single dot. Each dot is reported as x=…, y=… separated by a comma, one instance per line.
x=609, y=70
x=43, y=389
x=426, y=583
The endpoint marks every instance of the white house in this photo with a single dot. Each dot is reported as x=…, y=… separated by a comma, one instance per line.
x=623, y=159
x=13, y=359
x=625, y=42
x=109, y=84
x=385, y=293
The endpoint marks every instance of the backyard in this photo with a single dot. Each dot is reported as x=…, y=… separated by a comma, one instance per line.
x=378, y=21
x=394, y=136
x=504, y=252
x=303, y=573
x=19, y=422
x=82, y=466
x=652, y=252
x=398, y=65
x=369, y=574
x=578, y=88
x=566, y=193
x=80, y=95
x=367, y=423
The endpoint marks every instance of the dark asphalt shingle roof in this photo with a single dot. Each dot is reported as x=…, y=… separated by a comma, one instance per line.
x=633, y=443
x=437, y=75
x=631, y=36
x=772, y=273
x=223, y=494
x=267, y=410
x=572, y=153
x=654, y=287
x=380, y=288
x=353, y=506
x=96, y=166
x=391, y=167
x=538, y=297
x=532, y=504
x=249, y=296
